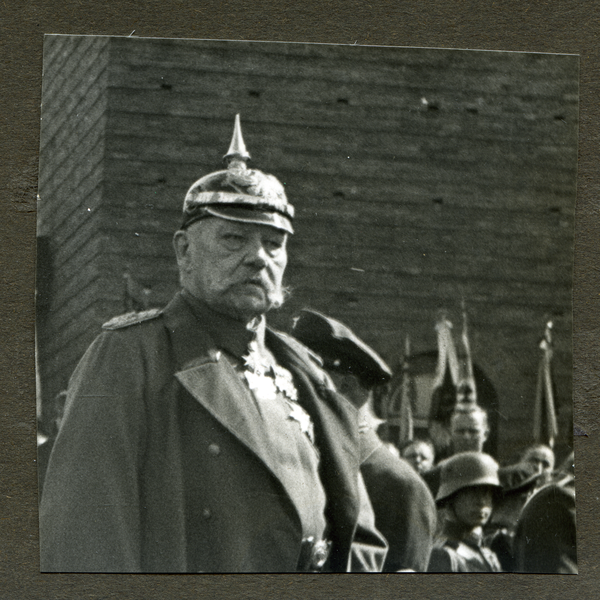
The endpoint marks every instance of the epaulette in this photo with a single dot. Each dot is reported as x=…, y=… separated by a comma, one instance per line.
x=131, y=318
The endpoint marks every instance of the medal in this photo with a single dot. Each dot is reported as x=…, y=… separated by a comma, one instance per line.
x=261, y=385
x=284, y=383
x=266, y=380
x=253, y=361
x=299, y=415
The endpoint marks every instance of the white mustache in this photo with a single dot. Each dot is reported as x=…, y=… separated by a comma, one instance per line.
x=276, y=294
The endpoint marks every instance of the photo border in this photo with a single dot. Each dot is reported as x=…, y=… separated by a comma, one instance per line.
x=565, y=27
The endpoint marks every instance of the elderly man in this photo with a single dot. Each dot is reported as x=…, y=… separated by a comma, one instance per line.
x=195, y=438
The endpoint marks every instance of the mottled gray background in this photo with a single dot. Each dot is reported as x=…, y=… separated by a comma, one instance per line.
x=566, y=26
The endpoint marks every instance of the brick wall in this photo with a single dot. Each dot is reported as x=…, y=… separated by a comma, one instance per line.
x=70, y=190
x=419, y=177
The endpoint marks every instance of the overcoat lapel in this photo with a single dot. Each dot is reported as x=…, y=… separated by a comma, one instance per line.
x=213, y=383
x=336, y=430
x=211, y=380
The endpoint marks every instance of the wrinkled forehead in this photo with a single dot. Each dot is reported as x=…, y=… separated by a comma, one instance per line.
x=218, y=226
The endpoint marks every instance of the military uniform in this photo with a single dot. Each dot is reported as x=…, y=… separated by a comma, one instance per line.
x=194, y=438
x=453, y=553
x=460, y=546
x=518, y=482
x=166, y=462
x=404, y=509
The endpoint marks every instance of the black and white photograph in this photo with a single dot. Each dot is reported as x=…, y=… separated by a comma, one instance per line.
x=305, y=308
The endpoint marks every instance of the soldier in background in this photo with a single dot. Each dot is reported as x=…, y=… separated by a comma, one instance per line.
x=404, y=509
x=468, y=484
x=541, y=457
x=518, y=484
x=420, y=454
x=469, y=431
x=197, y=439
x=469, y=428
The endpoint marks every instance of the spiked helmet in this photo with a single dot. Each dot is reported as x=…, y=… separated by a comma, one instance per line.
x=239, y=193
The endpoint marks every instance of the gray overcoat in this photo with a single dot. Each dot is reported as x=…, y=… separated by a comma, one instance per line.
x=162, y=464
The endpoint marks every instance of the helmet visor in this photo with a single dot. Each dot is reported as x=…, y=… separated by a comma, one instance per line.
x=240, y=214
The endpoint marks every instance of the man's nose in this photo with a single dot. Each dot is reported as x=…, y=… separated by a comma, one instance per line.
x=256, y=254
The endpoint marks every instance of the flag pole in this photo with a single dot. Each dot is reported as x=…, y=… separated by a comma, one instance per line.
x=545, y=427
x=406, y=433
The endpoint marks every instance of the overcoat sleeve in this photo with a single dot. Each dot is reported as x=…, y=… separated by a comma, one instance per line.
x=405, y=511
x=90, y=513
x=369, y=548
x=442, y=561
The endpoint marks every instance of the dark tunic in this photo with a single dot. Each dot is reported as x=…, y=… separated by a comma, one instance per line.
x=405, y=511
x=162, y=463
x=545, y=540
x=457, y=551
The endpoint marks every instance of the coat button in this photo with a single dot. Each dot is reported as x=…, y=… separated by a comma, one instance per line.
x=214, y=449
x=206, y=513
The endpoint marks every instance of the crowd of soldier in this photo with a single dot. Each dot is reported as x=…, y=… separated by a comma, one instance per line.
x=488, y=518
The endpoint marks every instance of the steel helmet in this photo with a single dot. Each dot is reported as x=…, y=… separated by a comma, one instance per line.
x=466, y=469
x=239, y=193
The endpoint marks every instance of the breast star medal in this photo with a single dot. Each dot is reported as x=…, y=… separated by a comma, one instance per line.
x=261, y=385
x=265, y=381
x=284, y=383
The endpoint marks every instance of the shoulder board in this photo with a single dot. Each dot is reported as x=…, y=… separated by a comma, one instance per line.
x=131, y=318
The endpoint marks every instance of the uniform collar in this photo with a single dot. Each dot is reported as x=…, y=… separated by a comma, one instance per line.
x=227, y=333
x=457, y=531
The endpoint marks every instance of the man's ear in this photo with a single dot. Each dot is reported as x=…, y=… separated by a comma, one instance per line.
x=181, y=245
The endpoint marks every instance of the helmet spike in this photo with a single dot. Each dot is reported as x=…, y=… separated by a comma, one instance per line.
x=237, y=152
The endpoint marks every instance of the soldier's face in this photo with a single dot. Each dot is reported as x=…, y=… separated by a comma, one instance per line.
x=543, y=460
x=468, y=432
x=420, y=456
x=235, y=268
x=473, y=506
x=348, y=385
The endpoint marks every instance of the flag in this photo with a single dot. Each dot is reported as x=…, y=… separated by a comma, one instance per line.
x=443, y=392
x=466, y=388
x=545, y=428
x=447, y=358
x=398, y=405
